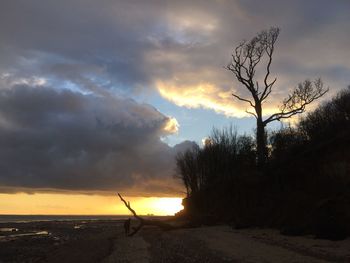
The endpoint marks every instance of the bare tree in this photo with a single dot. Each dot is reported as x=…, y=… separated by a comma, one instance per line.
x=245, y=60
x=187, y=170
x=145, y=222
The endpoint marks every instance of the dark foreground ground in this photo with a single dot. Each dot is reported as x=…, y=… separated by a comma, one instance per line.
x=103, y=241
x=65, y=241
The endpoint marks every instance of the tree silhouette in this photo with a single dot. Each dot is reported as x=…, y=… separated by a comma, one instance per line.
x=144, y=222
x=245, y=59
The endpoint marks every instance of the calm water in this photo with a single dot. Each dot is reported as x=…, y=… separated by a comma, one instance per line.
x=33, y=218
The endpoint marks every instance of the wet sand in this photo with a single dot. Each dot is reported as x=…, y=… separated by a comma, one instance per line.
x=65, y=241
x=104, y=241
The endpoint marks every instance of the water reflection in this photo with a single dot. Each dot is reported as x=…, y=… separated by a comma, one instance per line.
x=8, y=229
x=14, y=236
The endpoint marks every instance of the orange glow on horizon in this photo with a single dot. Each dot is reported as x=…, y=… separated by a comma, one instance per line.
x=79, y=204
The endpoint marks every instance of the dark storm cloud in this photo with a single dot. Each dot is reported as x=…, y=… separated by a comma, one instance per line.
x=101, y=33
x=69, y=141
x=132, y=44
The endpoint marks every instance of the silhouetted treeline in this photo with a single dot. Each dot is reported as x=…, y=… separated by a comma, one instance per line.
x=304, y=187
x=327, y=124
x=224, y=156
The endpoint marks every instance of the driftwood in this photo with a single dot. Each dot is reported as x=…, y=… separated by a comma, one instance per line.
x=145, y=222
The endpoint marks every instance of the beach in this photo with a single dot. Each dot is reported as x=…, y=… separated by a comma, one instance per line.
x=104, y=241
x=57, y=241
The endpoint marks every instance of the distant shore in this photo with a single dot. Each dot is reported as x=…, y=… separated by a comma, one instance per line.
x=104, y=241
x=36, y=218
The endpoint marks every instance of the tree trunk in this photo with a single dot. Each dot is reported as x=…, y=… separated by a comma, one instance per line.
x=261, y=143
x=260, y=137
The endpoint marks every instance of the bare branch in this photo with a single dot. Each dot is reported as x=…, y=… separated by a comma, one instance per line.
x=252, y=113
x=242, y=99
x=297, y=101
x=270, y=40
x=127, y=204
x=267, y=90
x=142, y=221
x=246, y=57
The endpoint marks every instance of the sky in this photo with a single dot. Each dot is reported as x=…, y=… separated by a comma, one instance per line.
x=99, y=96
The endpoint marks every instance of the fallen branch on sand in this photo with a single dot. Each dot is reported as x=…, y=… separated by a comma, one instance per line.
x=144, y=222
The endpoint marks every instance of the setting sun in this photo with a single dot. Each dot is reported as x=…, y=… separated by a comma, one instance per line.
x=160, y=206
x=167, y=206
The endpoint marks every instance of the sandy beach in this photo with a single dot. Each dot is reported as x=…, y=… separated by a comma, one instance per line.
x=104, y=241
x=223, y=244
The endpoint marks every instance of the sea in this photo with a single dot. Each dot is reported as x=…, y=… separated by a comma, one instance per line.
x=35, y=218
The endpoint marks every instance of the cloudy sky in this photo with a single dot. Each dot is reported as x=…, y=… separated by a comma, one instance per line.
x=99, y=96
